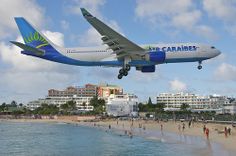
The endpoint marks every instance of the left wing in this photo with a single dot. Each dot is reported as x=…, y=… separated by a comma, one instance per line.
x=120, y=45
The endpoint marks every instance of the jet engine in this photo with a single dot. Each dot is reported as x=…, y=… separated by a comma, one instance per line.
x=157, y=56
x=147, y=69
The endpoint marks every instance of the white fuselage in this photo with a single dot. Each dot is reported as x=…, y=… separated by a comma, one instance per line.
x=179, y=52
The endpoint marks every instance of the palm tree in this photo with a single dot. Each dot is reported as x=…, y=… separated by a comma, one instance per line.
x=184, y=107
x=84, y=105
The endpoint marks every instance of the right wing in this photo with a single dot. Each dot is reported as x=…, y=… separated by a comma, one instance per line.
x=120, y=45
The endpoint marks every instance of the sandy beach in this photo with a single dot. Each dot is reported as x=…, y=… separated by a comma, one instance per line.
x=196, y=129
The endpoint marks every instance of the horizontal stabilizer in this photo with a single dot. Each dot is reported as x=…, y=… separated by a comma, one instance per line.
x=34, y=51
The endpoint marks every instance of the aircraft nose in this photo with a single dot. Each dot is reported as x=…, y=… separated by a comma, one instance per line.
x=216, y=53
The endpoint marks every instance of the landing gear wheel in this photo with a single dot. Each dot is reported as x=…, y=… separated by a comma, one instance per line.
x=125, y=73
x=120, y=76
x=199, y=67
x=121, y=71
x=127, y=67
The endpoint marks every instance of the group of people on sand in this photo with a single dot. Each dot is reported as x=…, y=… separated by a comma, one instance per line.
x=206, y=131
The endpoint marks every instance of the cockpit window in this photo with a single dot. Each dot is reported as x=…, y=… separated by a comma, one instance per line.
x=212, y=47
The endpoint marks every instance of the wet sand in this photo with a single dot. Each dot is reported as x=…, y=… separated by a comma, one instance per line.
x=154, y=130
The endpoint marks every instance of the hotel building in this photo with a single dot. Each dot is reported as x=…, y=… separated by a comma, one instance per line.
x=197, y=103
x=82, y=103
x=80, y=94
x=105, y=90
x=89, y=90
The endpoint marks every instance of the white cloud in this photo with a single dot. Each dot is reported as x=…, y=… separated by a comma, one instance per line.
x=180, y=14
x=32, y=76
x=151, y=8
x=64, y=25
x=186, y=19
x=224, y=10
x=90, y=38
x=145, y=77
x=16, y=8
x=225, y=72
x=177, y=86
x=102, y=74
x=11, y=54
x=55, y=37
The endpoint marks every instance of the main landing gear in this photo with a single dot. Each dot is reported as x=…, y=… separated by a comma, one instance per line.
x=124, y=71
x=199, y=67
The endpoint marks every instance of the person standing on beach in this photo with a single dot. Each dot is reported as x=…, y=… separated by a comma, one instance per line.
x=161, y=127
x=189, y=124
x=204, y=129
x=207, y=133
x=179, y=127
x=226, y=132
x=183, y=127
x=229, y=130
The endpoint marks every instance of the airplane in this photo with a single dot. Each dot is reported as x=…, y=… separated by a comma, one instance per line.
x=120, y=51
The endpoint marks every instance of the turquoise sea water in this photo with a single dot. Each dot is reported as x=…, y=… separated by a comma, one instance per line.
x=68, y=139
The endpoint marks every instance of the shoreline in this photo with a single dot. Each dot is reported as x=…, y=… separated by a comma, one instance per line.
x=196, y=130
x=172, y=127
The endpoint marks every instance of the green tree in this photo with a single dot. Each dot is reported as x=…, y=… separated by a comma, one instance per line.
x=46, y=109
x=68, y=107
x=72, y=105
x=184, y=107
x=160, y=107
x=149, y=101
x=13, y=103
x=3, y=107
x=98, y=105
x=141, y=107
x=84, y=105
x=65, y=107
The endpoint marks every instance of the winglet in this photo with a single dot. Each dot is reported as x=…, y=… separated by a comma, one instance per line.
x=85, y=13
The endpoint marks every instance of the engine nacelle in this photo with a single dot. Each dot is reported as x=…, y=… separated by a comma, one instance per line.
x=157, y=56
x=148, y=69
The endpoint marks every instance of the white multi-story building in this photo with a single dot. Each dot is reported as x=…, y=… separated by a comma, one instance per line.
x=122, y=105
x=82, y=103
x=196, y=102
x=230, y=108
x=176, y=100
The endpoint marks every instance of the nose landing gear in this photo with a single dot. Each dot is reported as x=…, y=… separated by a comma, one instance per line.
x=199, y=67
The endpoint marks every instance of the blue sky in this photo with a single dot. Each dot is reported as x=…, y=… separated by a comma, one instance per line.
x=213, y=22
